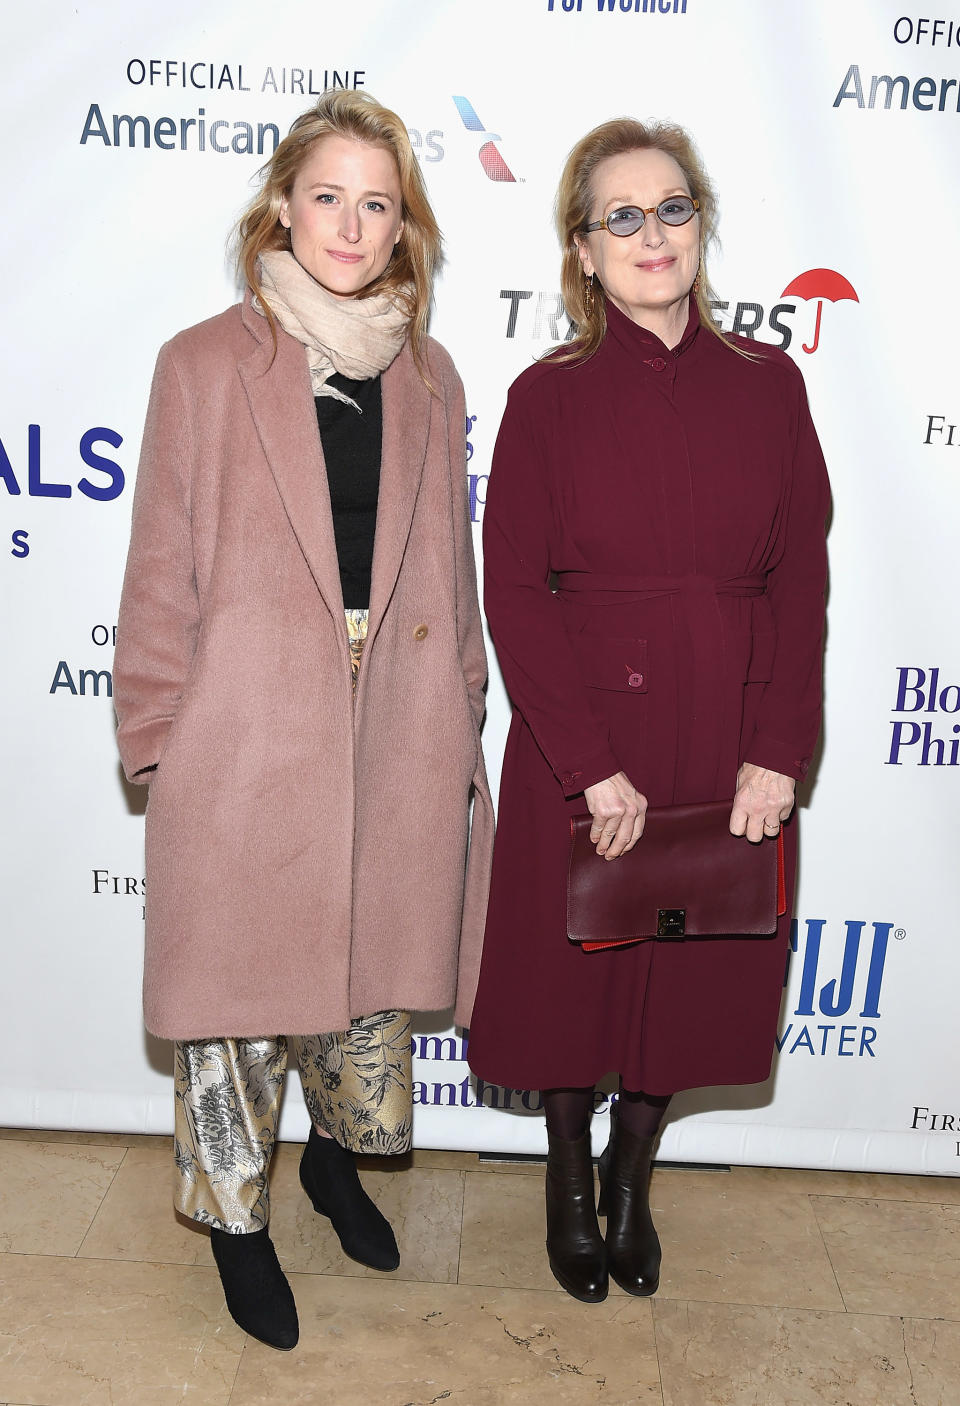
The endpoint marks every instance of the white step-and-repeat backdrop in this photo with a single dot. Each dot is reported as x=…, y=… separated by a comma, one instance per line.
x=132, y=135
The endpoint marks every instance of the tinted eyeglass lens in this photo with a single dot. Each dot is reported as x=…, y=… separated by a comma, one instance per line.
x=625, y=221
x=676, y=210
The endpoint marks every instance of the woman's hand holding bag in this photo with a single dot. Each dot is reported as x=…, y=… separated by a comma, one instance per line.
x=763, y=801
x=618, y=811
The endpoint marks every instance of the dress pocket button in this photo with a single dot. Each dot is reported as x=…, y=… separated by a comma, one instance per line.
x=421, y=632
x=635, y=680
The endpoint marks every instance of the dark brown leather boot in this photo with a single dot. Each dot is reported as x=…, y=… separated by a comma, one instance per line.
x=633, y=1247
x=574, y=1244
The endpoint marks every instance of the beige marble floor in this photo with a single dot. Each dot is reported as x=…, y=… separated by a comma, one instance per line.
x=780, y=1288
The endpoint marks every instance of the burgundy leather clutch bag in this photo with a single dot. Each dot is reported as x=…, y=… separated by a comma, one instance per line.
x=687, y=876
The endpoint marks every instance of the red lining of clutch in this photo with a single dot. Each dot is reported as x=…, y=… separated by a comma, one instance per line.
x=781, y=877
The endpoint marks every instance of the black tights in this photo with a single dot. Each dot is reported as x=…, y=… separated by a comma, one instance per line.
x=568, y=1111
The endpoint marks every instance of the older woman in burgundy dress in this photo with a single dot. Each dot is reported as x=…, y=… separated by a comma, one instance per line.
x=667, y=481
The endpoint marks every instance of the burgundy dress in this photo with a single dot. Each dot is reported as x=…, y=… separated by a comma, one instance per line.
x=676, y=501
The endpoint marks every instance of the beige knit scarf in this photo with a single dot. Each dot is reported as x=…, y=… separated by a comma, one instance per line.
x=357, y=337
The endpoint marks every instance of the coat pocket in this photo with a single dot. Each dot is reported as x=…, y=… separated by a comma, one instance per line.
x=619, y=665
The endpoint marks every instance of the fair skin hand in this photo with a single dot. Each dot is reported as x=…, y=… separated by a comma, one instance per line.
x=763, y=802
x=647, y=275
x=344, y=213
x=618, y=811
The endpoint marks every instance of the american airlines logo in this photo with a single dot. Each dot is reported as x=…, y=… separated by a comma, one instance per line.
x=489, y=154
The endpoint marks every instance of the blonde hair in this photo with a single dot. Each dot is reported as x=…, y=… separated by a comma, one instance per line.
x=574, y=206
x=344, y=112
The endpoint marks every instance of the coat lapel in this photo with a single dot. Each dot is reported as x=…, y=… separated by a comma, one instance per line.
x=406, y=427
x=281, y=402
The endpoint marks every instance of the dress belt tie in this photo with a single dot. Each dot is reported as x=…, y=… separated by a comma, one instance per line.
x=651, y=586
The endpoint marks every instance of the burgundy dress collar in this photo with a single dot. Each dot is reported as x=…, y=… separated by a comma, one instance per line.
x=645, y=345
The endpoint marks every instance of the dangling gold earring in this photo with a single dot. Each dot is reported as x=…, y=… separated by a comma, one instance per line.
x=696, y=281
x=588, y=293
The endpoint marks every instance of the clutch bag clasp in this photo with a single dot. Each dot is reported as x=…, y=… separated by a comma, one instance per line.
x=671, y=922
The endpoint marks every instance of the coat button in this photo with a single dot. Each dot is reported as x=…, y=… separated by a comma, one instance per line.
x=421, y=632
x=635, y=680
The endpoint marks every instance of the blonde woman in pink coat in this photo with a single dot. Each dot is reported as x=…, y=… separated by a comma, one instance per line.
x=299, y=677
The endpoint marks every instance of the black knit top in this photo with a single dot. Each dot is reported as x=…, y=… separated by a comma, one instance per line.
x=351, y=448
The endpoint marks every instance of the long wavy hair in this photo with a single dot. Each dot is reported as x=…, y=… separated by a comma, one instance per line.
x=574, y=206
x=417, y=255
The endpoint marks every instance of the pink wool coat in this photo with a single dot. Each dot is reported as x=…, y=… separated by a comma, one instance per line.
x=308, y=860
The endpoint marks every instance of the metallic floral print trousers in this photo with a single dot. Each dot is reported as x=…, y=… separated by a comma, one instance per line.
x=357, y=1085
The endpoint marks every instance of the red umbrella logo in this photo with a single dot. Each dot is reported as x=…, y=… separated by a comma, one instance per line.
x=820, y=284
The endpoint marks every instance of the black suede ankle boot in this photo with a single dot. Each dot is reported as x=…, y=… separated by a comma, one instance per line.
x=633, y=1247
x=255, y=1287
x=328, y=1174
x=574, y=1245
